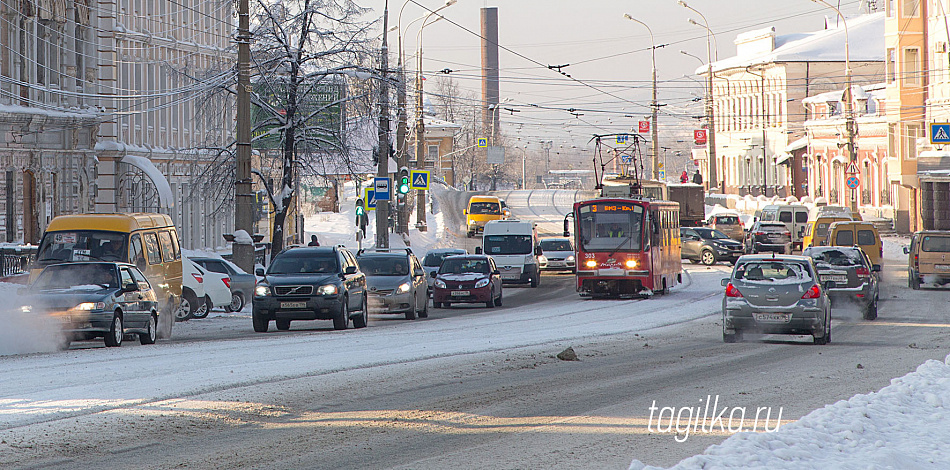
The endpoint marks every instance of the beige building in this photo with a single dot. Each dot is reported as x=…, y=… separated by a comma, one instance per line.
x=933, y=160
x=758, y=93
x=109, y=107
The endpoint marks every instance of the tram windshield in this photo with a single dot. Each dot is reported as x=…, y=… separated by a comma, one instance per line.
x=610, y=226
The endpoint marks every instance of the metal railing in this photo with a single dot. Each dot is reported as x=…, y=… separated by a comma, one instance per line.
x=16, y=260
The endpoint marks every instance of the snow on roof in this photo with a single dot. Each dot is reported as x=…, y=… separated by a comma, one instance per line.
x=876, y=91
x=799, y=143
x=865, y=38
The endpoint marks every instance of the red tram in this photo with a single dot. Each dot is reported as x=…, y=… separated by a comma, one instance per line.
x=625, y=247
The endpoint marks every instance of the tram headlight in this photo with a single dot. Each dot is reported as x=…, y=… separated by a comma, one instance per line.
x=591, y=263
x=631, y=264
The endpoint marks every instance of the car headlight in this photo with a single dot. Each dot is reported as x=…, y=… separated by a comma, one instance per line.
x=91, y=306
x=26, y=308
x=631, y=264
x=328, y=289
x=262, y=290
x=542, y=259
x=570, y=259
x=438, y=283
x=403, y=288
x=481, y=283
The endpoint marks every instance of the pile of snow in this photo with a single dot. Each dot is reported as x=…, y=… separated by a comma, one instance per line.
x=902, y=425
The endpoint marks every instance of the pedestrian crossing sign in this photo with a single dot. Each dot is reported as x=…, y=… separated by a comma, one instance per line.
x=940, y=133
x=482, y=142
x=369, y=198
x=419, y=179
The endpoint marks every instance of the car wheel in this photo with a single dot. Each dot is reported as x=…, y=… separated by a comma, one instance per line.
x=913, y=280
x=282, y=324
x=446, y=304
x=186, y=306
x=536, y=280
x=436, y=304
x=63, y=341
x=708, y=257
x=204, y=309
x=237, y=302
x=260, y=322
x=411, y=313
x=827, y=336
x=498, y=300
x=870, y=313
x=491, y=301
x=151, y=331
x=342, y=318
x=424, y=313
x=113, y=338
x=361, y=320
x=731, y=338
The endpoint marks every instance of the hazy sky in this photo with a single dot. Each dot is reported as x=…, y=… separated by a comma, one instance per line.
x=609, y=55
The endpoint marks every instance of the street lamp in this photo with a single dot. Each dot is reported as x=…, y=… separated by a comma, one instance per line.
x=654, y=134
x=524, y=159
x=710, y=115
x=846, y=97
x=420, y=124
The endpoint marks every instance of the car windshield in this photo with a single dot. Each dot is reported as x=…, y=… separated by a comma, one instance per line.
x=727, y=220
x=556, y=245
x=76, y=277
x=710, y=234
x=464, y=266
x=777, y=272
x=834, y=257
x=484, y=208
x=507, y=244
x=82, y=245
x=610, y=227
x=435, y=259
x=384, y=265
x=294, y=263
x=935, y=244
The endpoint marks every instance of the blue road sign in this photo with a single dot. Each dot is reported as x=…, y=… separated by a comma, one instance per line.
x=939, y=133
x=419, y=179
x=626, y=158
x=483, y=142
x=662, y=174
x=369, y=198
x=382, y=186
x=853, y=182
x=622, y=138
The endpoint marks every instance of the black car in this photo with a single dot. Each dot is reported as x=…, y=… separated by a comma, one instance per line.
x=706, y=245
x=854, y=276
x=95, y=299
x=242, y=283
x=769, y=236
x=396, y=282
x=311, y=283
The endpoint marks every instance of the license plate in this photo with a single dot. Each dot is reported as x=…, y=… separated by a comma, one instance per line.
x=775, y=235
x=557, y=263
x=460, y=293
x=942, y=267
x=510, y=276
x=293, y=305
x=773, y=317
x=838, y=278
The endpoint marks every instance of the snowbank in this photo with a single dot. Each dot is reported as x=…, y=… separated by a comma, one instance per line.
x=902, y=425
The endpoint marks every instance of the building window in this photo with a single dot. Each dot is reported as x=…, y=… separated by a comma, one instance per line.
x=912, y=133
x=910, y=68
x=910, y=8
x=891, y=60
x=433, y=153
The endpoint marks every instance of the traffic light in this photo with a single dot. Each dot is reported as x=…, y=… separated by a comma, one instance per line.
x=361, y=215
x=403, y=186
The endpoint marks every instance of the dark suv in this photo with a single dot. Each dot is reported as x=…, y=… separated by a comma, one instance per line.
x=855, y=277
x=769, y=236
x=311, y=283
x=706, y=245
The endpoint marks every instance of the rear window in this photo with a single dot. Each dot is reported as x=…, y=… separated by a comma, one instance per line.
x=773, y=228
x=727, y=220
x=844, y=238
x=821, y=229
x=785, y=217
x=851, y=257
x=778, y=272
x=935, y=244
x=866, y=237
x=801, y=217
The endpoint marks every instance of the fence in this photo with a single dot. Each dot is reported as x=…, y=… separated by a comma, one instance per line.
x=16, y=260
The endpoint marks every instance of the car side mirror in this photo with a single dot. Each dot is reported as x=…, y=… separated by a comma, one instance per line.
x=350, y=270
x=464, y=211
x=259, y=271
x=130, y=287
x=724, y=282
x=830, y=284
x=433, y=274
x=418, y=272
x=496, y=273
x=906, y=250
x=876, y=268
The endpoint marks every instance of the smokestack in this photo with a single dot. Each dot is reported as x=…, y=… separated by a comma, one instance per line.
x=490, y=93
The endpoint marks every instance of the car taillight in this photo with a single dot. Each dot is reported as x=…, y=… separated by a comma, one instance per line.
x=731, y=291
x=812, y=293
x=863, y=272
x=198, y=278
x=227, y=282
x=761, y=234
x=915, y=260
x=788, y=234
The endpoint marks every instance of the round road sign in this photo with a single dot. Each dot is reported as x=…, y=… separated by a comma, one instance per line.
x=853, y=182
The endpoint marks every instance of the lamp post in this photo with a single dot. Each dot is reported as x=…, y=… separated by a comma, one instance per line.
x=420, y=124
x=846, y=97
x=524, y=159
x=654, y=133
x=710, y=115
x=382, y=169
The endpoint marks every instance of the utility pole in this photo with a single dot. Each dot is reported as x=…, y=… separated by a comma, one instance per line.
x=382, y=207
x=243, y=253
x=402, y=157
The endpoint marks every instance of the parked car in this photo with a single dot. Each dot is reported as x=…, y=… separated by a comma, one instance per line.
x=310, y=283
x=433, y=259
x=768, y=236
x=217, y=291
x=193, y=293
x=928, y=258
x=242, y=283
x=558, y=254
x=467, y=279
x=702, y=244
x=776, y=294
x=727, y=223
x=396, y=282
x=853, y=273
x=95, y=299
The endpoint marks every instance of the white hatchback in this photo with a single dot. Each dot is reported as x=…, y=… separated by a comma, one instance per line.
x=558, y=253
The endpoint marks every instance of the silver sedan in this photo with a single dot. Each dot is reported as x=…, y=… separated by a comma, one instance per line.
x=776, y=294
